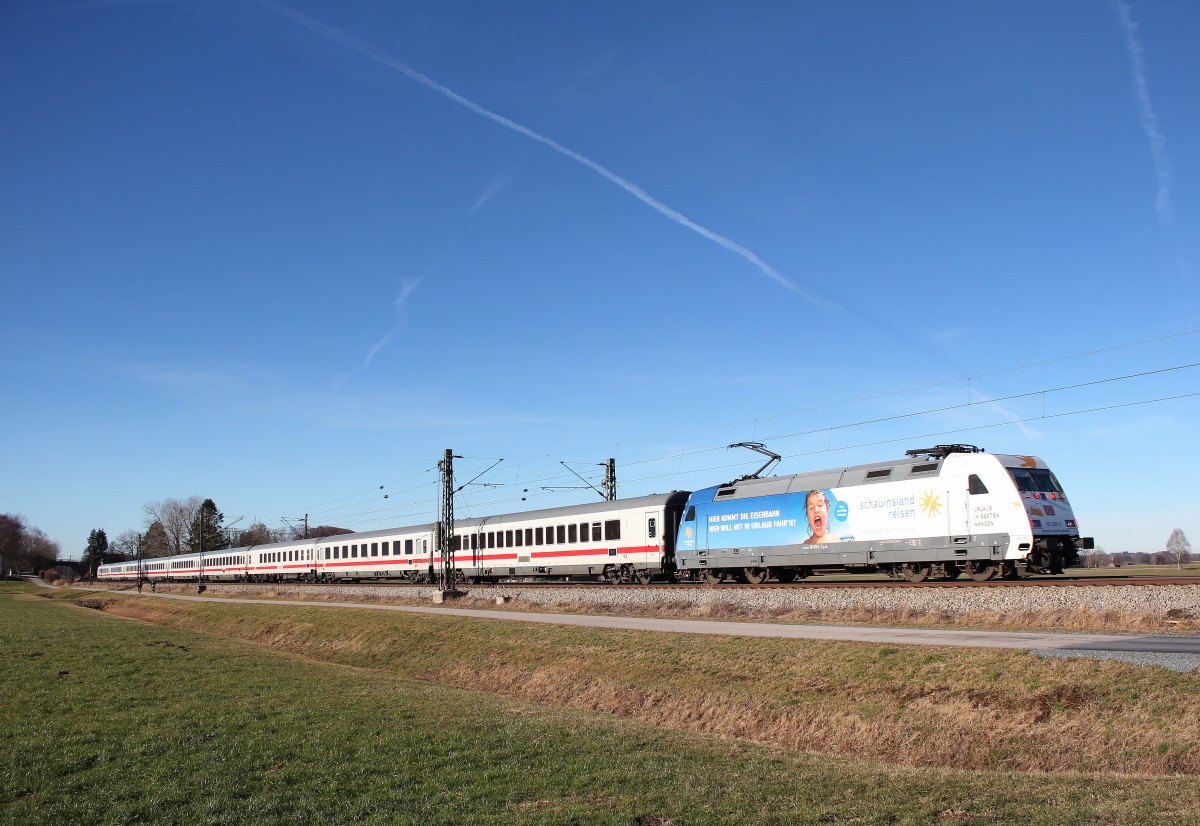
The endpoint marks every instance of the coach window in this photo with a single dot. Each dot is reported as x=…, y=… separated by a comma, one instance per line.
x=354, y=551
x=491, y=539
x=652, y=527
x=408, y=547
x=596, y=532
x=374, y=549
x=572, y=535
x=529, y=536
x=612, y=530
x=520, y=537
x=560, y=534
x=539, y=535
x=385, y=548
x=975, y=485
x=508, y=539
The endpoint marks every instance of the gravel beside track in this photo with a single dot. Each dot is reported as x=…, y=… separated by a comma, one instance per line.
x=1155, y=600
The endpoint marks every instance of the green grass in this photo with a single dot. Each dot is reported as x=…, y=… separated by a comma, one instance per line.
x=112, y=721
x=1192, y=569
x=921, y=706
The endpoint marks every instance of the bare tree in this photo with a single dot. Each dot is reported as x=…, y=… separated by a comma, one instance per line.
x=175, y=516
x=126, y=544
x=1179, y=548
x=12, y=542
x=256, y=534
x=156, y=543
x=23, y=547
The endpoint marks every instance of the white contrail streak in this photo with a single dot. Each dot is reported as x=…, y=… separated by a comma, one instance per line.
x=406, y=288
x=1149, y=118
x=630, y=187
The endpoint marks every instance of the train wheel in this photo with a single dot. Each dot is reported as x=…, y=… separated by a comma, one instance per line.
x=756, y=576
x=714, y=577
x=644, y=577
x=981, y=571
x=916, y=571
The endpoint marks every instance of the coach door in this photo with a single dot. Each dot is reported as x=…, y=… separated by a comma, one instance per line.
x=654, y=528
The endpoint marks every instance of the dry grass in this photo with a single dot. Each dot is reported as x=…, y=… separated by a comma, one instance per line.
x=961, y=709
x=1083, y=620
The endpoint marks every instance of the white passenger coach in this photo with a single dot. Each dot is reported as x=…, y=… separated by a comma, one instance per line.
x=627, y=540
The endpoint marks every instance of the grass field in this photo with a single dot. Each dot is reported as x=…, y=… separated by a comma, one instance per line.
x=249, y=714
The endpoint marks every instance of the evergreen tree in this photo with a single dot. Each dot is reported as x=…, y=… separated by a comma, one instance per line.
x=206, y=532
x=93, y=554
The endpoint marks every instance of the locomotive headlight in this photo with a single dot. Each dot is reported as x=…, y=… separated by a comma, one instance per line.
x=1071, y=523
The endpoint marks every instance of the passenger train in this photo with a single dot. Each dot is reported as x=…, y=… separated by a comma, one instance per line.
x=936, y=513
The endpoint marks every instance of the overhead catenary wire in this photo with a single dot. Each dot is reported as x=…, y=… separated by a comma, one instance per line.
x=343, y=507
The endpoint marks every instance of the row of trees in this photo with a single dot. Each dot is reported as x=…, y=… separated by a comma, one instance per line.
x=1178, y=553
x=175, y=526
x=24, y=547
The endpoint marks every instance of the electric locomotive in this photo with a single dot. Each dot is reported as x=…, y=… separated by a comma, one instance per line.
x=939, y=512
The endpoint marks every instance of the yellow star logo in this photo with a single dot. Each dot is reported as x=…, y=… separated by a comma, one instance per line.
x=931, y=504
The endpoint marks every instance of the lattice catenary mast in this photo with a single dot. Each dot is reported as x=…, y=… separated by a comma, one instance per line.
x=447, y=581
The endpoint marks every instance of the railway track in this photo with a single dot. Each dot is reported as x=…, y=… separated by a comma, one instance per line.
x=839, y=582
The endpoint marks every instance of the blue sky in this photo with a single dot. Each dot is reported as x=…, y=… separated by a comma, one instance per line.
x=281, y=255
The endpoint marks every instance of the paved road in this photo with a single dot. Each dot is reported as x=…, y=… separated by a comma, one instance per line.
x=1040, y=641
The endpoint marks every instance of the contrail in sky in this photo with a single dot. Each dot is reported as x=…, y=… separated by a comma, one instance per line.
x=1149, y=118
x=630, y=187
x=406, y=288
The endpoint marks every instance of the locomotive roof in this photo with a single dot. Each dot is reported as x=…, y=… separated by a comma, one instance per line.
x=921, y=465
